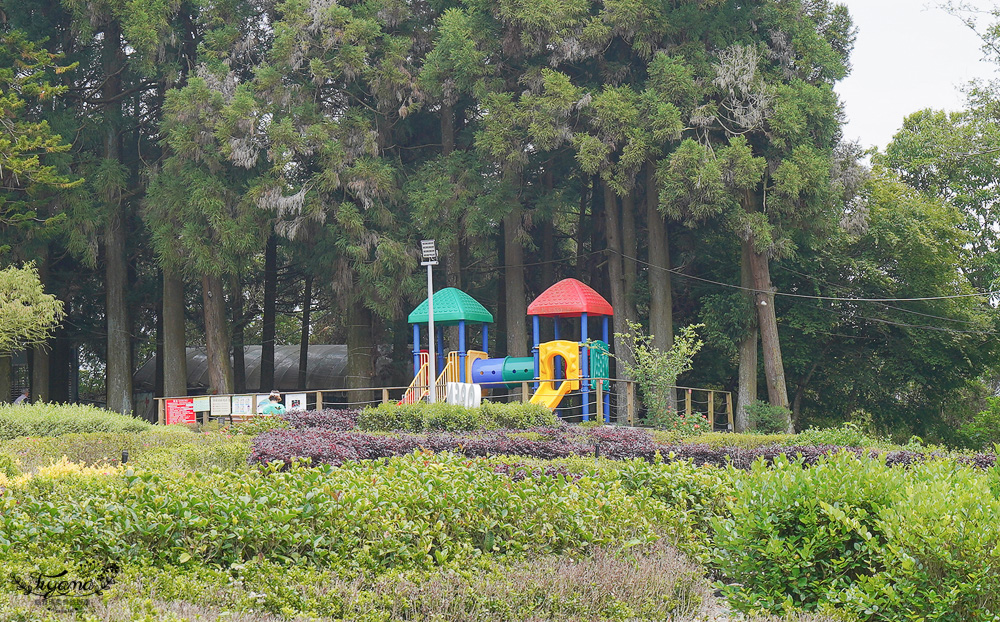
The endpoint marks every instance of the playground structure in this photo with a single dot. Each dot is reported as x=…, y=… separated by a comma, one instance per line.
x=555, y=368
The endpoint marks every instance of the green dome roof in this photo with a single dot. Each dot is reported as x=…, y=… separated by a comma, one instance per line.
x=452, y=306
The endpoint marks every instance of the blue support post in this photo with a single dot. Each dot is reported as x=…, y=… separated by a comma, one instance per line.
x=607, y=394
x=585, y=367
x=535, y=340
x=440, y=349
x=555, y=328
x=416, y=349
x=486, y=337
x=461, y=351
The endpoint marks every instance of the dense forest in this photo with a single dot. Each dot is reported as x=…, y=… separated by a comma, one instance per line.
x=230, y=172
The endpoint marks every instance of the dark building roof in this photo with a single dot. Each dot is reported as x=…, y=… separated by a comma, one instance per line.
x=326, y=369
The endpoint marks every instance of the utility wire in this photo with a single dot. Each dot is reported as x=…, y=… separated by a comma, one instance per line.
x=806, y=296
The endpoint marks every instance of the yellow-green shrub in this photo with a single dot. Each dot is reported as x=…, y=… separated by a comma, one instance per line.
x=46, y=419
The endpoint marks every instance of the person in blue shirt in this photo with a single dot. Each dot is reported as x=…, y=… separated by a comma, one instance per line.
x=274, y=407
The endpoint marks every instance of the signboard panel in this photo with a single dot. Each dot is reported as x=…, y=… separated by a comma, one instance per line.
x=243, y=404
x=202, y=404
x=180, y=410
x=221, y=406
x=295, y=401
x=262, y=400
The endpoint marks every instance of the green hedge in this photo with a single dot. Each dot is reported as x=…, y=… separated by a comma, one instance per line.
x=45, y=419
x=160, y=446
x=442, y=417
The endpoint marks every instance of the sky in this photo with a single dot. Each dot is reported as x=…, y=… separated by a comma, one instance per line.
x=909, y=55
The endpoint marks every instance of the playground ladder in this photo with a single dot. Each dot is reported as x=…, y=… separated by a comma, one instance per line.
x=420, y=387
x=448, y=374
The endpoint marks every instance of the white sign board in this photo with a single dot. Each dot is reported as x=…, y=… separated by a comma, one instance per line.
x=464, y=394
x=295, y=401
x=202, y=404
x=221, y=406
x=262, y=400
x=243, y=404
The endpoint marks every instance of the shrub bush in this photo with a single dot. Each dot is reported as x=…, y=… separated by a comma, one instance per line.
x=940, y=554
x=849, y=434
x=444, y=417
x=101, y=447
x=45, y=419
x=767, y=419
x=415, y=512
x=328, y=419
x=796, y=534
x=984, y=429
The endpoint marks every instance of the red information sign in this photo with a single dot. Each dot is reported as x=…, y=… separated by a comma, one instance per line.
x=180, y=411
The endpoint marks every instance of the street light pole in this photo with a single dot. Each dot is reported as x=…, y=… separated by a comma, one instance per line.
x=429, y=252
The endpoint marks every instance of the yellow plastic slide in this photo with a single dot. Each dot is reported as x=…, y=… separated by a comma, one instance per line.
x=550, y=393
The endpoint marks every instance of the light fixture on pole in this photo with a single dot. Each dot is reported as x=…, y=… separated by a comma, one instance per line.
x=428, y=251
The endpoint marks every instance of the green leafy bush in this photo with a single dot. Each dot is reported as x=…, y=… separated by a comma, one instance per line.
x=767, y=419
x=849, y=434
x=8, y=466
x=101, y=447
x=984, y=429
x=414, y=512
x=258, y=425
x=45, y=419
x=796, y=535
x=227, y=454
x=744, y=440
x=442, y=417
x=941, y=554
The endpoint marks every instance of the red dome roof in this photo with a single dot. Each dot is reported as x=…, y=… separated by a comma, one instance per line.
x=569, y=298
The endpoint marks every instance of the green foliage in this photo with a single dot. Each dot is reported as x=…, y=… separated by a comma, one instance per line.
x=27, y=314
x=8, y=465
x=796, y=535
x=421, y=417
x=258, y=425
x=746, y=440
x=93, y=448
x=940, y=554
x=416, y=512
x=767, y=419
x=656, y=370
x=984, y=430
x=47, y=419
x=848, y=434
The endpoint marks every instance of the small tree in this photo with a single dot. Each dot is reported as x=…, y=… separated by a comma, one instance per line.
x=27, y=314
x=656, y=370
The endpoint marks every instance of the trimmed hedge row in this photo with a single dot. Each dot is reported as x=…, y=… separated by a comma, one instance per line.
x=45, y=419
x=335, y=448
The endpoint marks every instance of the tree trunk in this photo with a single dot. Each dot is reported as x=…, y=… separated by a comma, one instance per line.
x=360, y=351
x=238, y=324
x=59, y=367
x=516, y=297
x=774, y=370
x=220, y=369
x=581, y=227
x=304, y=338
x=661, y=301
x=630, y=246
x=6, y=372
x=270, y=311
x=174, y=340
x=118, y=379
x=158, y=368
x=747, y=391
x=801, y=389
x=40, y=367
x=616, y=277
x=40, y=373
x=447, y=129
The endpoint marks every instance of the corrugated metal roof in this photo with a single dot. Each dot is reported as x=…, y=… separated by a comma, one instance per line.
x=326, y=369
